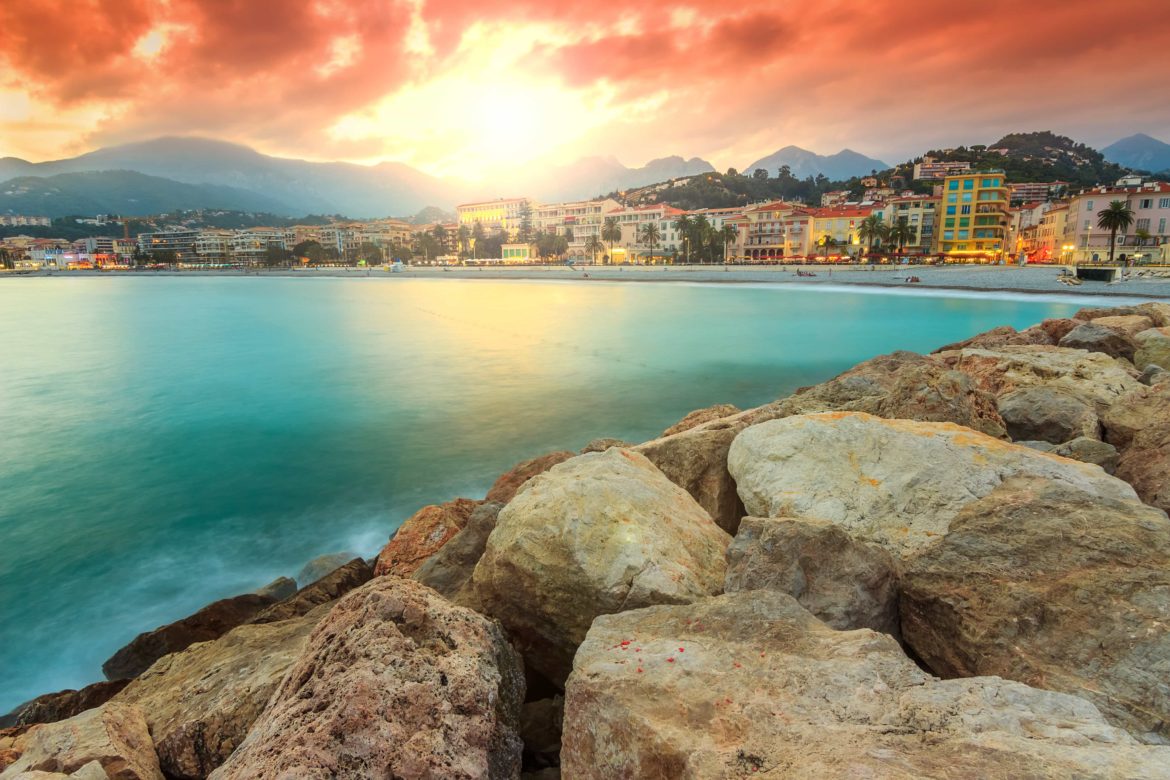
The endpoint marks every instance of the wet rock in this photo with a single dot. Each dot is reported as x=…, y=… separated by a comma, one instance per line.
x=1153, y=348
x=421, y=536
x=600, y=533
x=1100, y=338
x=1042, y=582
x=449, y=570
x=897, y=483
x=601, y=445
x=394, y=682
x=52, y=707
x=509, y=483
x=846, y=583
x=213, y=621
x=279, y=589
x=199, y=703
x=322, y=565
x=1043, y=413
x=113, y=735
x=750, y=684
x=700, y=416
x=332, y=586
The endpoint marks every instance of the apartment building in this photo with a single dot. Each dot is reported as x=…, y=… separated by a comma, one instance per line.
x=15, y=220
x=974, y=216
x=179, y=242
x=920, y=212
x=1027, y=191
x=632, y=220
x=214, y=247
x=501, y=214
x=250, y=247
x=930, y=168
x=581, y=219
x=834, y=232
x=1145, y=241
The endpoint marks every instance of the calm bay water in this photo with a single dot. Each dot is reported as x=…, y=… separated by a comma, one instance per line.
x=165, y=442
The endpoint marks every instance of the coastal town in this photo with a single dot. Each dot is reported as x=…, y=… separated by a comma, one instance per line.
x=967, y=216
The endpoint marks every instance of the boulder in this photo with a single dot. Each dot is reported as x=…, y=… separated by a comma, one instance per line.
x=113, y=735
x=1042, y=582
x=394, y=682
x=1129, y=324
x=199, y=703
x=1088, y=450
x=540, y=729
x=750, y=684
x=1159, y=313
x=1145, y=464
x=279, y=589
x=1154, y=375
x=1094, y=377
x=872, y=379
x=600, y=533
x=1100, y=338
x=846, y=583
x=449, y=570
x=700, y=416
x=1093, y=313
x=333, y=585
x=897, y=483
x=1057, y=328
x=52, y=707
x=1145, y=407
x=601, y=445
x=1045, y=413
x=1002, y=336
x=421, y=535
x=322, y=565
x=510, y=482
x=695, y=459
x=213, y=621
x=1153, y=348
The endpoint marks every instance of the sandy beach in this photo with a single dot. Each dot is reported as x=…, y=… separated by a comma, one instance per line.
x=1029, y=279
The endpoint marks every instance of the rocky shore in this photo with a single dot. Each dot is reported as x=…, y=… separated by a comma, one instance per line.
x=950, y=565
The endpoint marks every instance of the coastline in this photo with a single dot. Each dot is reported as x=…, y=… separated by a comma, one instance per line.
x=1030, y=280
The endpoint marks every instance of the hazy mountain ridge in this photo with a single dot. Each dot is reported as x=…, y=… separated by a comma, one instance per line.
x=1141, y=152
x=843, y=165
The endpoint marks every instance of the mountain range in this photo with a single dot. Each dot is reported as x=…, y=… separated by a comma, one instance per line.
x=845, y=164
x=1141, y=152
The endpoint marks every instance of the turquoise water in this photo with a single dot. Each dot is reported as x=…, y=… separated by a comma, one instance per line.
x=165, y=442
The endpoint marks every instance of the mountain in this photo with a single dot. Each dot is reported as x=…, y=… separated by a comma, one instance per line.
x=1140, y=152
x=126, y=193
x=843, y=165
x=1039, y=156
x=589, y=177
x=304, y=187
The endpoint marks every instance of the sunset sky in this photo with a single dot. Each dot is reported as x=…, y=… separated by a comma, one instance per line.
x=467, y=87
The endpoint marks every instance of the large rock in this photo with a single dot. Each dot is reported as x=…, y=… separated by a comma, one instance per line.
x=200, y=703
x=600, y=533
x=846, y=583
x=449, y=570
x=1043, y=413
x=421, y=536
x=332, y=586
x=1129, y=324
x=750, y=684
x=213, y=621
x=1084, y=449
x=1145, y=464
x=1153, y=348
x=1004, y=335
x=509, y=482
x=1056, y=328
x=279, y=589
x=113, y=735
x=394, y=682
x=695, y=459
x=1044, y=583
x=1100, y=338
x=1158, y=313
x=700, y=416
x=603, y=444
x=872, y=379
x=894, y=482
x=1144, y=408
x=322, y=565
x=52, y=707
x=1097, y=378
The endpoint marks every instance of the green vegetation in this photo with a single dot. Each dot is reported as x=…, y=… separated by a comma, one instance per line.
x=1118, y=216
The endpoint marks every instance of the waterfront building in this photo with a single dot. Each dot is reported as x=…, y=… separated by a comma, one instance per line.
x=974, y=216
x=771, y=232
x=581, y=219
x=931, y=168
x=516, y=254
x=920, y=213
x=501, y=214
x=840, y=224
x=179, y=242
x=250, y=247
x=214, y=247
x=1145, y=241
x=632, y=221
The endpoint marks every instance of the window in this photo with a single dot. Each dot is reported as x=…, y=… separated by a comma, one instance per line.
x=951, y=210
x=953, y=198
x=1086, y=224
x=953, y=184
x=1146, y=203
x=1162, y=226
x=1142, y=224
x=950, y=222
x=948, y=235
x=968, y=184
x=963, y=234
x=990, y=183
x=965, y=210
x=967, y=197
x=1164, y=203
x=1089, y=205
x=965, y=222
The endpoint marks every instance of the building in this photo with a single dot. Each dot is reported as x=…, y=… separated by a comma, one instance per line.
x=1144, y=242
x=633, y=221
x=502, y=214
x=931, y=168
x=179, y=244
x=517, y=254
x=771, y=232
x=214, y=247
x=835, y=198
x=580, y=220
x=920, y=212
x=974, y=216
x=250, y=247
x=835, y=232
x=13, y=220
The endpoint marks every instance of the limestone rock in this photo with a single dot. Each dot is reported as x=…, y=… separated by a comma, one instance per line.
x=114, y=735
x=1145, y=464
x=279, y=589
x=846, y=583
x=421, y=535
x=1159, y=313
x=600, y=533
x=52, y=707
x=1100, y=338
x=1095, y=377
x=449, y=570
x=872, y=379
x=1153, y=347
x=700, y=416
x=1044, y=583
x=1002, y=336
x=333, y=585
x=695, y=459
x=322, y=565
x=750, y=684
x=1057, y=328
x=200, y=703
x=894, y=482
x=394, y=682
x=1145, y=407
x=601, y=445
x=507, y=485
x=1089, y=314
x=1043, y=413
x=1088, y=450
x=213, y=621
x=1130, y=324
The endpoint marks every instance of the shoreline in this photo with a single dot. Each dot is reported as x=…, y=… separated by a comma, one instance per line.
x=1031, y=280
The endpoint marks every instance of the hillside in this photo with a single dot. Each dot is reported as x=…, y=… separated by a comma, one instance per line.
x=1037, y=156
x=123, y=192
x=802, y=163
x=1140, y=152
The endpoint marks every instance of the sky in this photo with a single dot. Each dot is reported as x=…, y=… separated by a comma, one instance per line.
x=474, y=88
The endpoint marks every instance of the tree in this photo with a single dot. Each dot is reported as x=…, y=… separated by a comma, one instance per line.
x=871, y=230
x=701, y=237
x=684, y=226
x=371, y=253
x=902, y=233
x=310, y=250
x=569, y=235
x=524, y=234
x=593, y=245
x=1119, y=216
x=429, y=246
x=650, y=234
x=828, y=242
x=477, y=237
x=611, y=231
x=732, y=172
x=727, y=235
x=275, y=254
x=759, y=174
x=464, y=240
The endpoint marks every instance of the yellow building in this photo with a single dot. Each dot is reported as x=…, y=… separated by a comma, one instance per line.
x=974, y=217
x=493, y=215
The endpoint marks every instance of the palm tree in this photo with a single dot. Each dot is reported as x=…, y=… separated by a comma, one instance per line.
x=593, y=245
x=902, y=233
x=727, y=235
x=1119, y=216
x=464, y=238
x=701, y=233
x=870, y=230
x=684, y=225
x=611, y=231
x=650, y=234
x=828, y=242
